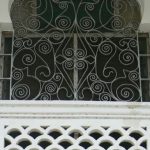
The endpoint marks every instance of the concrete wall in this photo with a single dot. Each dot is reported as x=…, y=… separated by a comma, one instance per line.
x=5, y=22
x=145, y=25
x=4, y=11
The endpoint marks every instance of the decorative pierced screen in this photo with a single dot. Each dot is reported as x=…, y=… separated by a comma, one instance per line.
x=75, y=50
x=74, y=138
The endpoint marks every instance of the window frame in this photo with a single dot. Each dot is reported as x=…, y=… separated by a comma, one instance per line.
x=5, y=89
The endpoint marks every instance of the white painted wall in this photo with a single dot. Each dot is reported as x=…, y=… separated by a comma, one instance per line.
x=5, y=22
x=145, y=25
x=4, y=11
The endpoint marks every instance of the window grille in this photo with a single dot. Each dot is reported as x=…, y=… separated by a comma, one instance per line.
x=73, y=52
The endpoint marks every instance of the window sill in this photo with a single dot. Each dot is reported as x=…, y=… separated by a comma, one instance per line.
x=74, y=109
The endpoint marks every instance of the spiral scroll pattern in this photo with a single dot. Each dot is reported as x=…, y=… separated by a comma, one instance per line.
x=69, y=64
x=127, y=57
x=134, y=76
x=86, y=23
x=21, y=92
x=28, y=59
x=126, y=92
x=106, y=48
x=33, y=23
x=97, y=87
x=93, y=77
x=18, y=43
x=80, y=53
x=90, y=7
x=63, y=22
x=17, y=74
x=105, y=97
x=68, y=53
x=21, y=32
x=81, y=64
x=63, y=5
x=44, y=47
x=51, y=88
x=117, y=23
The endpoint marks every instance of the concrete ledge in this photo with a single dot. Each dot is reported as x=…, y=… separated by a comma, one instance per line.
x=74, y=109
x=6, y=27
x=144, y=27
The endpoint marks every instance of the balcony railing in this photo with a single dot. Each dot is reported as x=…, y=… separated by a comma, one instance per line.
x=74, y=126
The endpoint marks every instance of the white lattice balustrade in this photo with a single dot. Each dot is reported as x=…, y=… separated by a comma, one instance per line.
x=74, y=126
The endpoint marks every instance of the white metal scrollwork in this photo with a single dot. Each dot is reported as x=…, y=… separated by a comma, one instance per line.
x=75, y=50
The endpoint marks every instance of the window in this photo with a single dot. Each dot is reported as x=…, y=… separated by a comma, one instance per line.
x=5, y=64
x=75, y=50
x=144, y=47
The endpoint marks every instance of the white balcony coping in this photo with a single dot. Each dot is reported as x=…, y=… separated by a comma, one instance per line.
x=74, y=109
